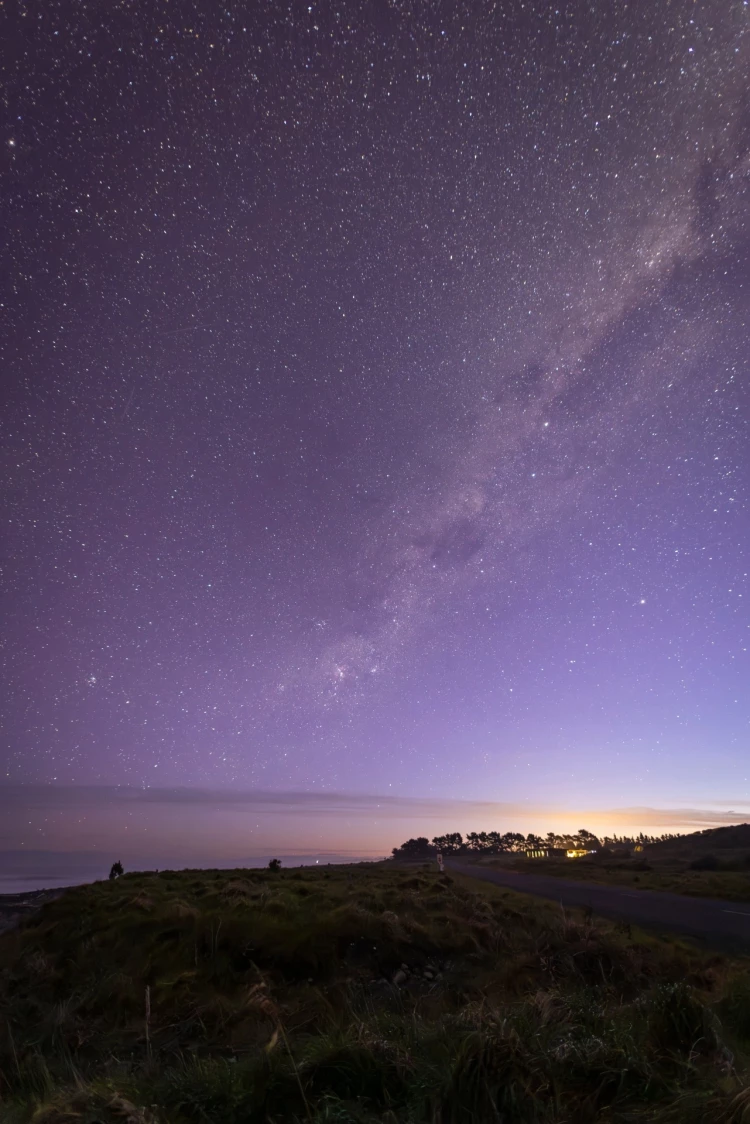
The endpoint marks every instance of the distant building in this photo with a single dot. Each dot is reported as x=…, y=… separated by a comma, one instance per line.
x=638, y=847
x=578, y=853
x=539, y=853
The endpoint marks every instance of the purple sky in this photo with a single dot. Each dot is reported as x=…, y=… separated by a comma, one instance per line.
x=376, y=405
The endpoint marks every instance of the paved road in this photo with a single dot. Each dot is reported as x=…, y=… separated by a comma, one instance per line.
x=713, y=922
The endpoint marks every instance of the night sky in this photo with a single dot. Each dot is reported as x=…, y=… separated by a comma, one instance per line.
x=376, y=399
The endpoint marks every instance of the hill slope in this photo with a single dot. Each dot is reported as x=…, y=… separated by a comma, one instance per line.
x=355, y=995
x=712, y=840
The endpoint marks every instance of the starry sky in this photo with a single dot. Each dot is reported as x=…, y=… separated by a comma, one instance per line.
x=376, y=400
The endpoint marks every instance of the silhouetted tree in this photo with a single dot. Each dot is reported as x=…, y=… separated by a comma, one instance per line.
x=275, y=864
x=493, y=843
x=450, y=844
x=419, y=848
x=585, y=840
x=115, y=870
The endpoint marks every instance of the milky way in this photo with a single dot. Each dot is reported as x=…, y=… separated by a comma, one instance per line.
x=378, y=398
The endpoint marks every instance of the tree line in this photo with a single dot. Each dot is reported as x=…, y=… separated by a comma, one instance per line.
x=513, y=842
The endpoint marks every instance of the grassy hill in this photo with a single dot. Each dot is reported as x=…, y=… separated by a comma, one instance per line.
x=358, y=994
x=734, y=840
x=667, y=873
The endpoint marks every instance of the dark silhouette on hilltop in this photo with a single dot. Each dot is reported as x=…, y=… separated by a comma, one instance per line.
x=513, y=842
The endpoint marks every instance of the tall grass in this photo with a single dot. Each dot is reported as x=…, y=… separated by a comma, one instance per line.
x=358, y=994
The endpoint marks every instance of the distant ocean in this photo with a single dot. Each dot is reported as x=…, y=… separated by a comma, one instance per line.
x=22, y=885
x=21, y=872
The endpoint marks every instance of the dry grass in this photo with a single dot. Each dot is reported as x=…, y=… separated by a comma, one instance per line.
x=357, y=994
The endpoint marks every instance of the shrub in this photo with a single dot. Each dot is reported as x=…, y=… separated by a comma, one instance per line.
x=705, y=862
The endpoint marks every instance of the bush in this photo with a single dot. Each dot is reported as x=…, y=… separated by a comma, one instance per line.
x=705, y=862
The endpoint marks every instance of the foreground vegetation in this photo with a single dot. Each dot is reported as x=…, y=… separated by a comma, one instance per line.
x=358, y=995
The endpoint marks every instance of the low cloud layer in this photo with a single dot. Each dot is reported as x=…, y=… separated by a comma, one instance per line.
x=203, y=826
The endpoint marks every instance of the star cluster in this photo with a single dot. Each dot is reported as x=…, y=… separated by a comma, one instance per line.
x=377, y=397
